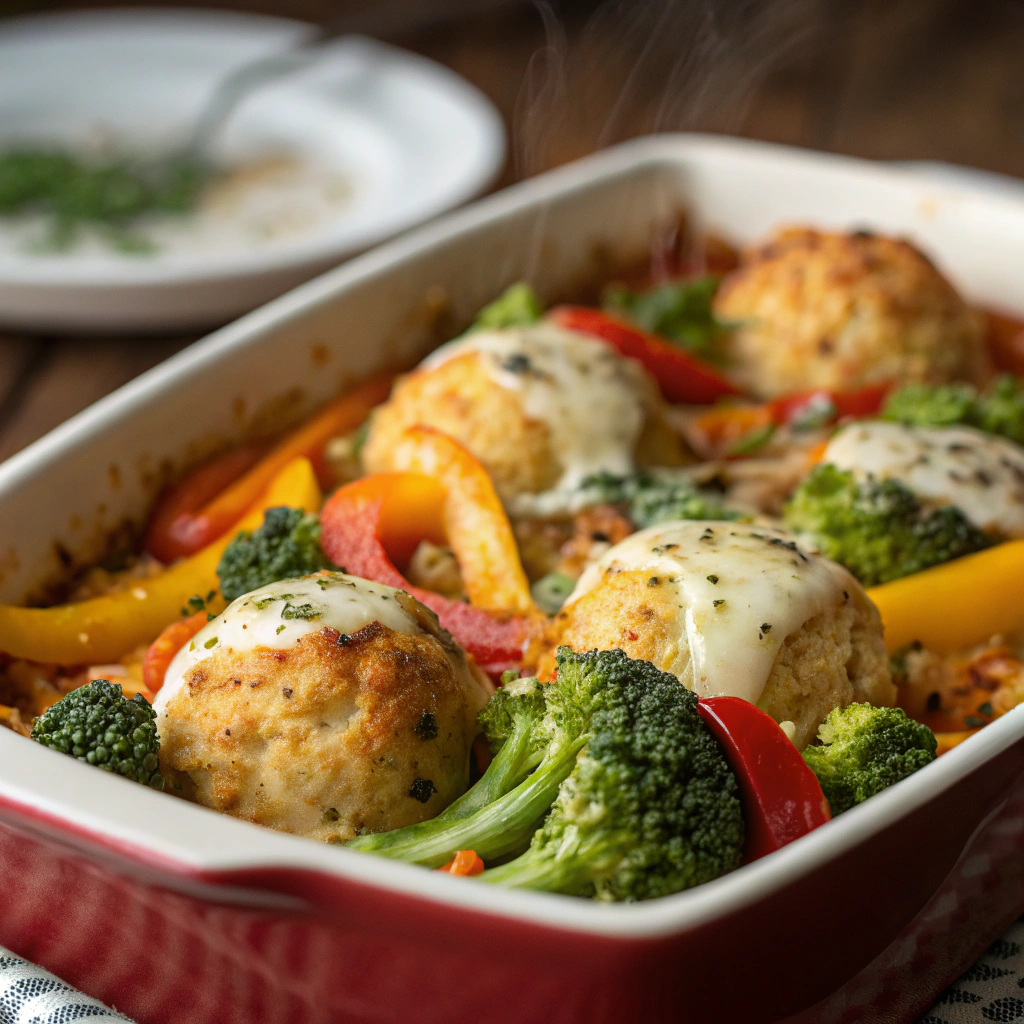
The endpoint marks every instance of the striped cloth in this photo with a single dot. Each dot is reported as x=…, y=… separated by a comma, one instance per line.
x=991, y=991
x=30, y=995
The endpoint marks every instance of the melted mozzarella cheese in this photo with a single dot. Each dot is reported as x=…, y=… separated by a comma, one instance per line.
x=279, y=614
x=979, y=473
x=593, y=400
x=741, y=589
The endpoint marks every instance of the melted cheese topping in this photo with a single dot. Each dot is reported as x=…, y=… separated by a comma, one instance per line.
x=279, y=614
x=741, y=589
x=593, y=400
x=979, y=473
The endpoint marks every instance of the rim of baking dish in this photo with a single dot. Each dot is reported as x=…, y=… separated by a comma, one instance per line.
x=178, y=840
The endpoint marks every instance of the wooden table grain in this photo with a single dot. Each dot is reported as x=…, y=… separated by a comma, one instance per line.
x=921, y=79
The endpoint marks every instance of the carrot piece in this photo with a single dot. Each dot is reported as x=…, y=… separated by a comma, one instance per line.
x=465, y=863
x=163, y=649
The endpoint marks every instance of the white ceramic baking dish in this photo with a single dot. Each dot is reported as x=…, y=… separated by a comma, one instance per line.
x=198, y=908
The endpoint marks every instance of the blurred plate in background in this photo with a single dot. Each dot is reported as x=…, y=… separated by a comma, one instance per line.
x=364, y=142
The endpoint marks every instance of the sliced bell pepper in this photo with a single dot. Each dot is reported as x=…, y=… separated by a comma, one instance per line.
x=181, y=526
x=106, y=628
x=474, y=520
x=681, y=377
x=782, y=799
x=725, y=427
x=368, y=523
x=833, y=405
x=956, y=605
x=178, y=508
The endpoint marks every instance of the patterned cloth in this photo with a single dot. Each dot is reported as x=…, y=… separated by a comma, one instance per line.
x=992, y=990
x=30, y=995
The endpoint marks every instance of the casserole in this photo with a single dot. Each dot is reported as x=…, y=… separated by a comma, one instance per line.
x=174, y=913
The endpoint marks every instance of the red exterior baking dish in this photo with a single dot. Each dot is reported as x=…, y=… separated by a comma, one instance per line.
x=176, y=914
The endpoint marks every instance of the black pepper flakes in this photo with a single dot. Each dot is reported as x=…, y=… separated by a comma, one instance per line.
x=343, y=640
x=719, y=602
x=426, y=727
x=422, y=790
x=653, y=581
x=287, y=691
x=712, y=578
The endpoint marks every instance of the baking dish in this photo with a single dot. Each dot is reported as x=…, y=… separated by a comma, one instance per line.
x=174, y=913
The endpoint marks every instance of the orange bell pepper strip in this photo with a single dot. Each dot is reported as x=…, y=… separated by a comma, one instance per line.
x=956, y=605
x=163, y=649
x=681, y=377
x=372, y=523
x=464, y=863
x=176, y=533
x=103, y=629
x=474, y=520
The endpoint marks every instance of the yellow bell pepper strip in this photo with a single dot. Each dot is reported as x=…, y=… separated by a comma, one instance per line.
x=946, y=741
x=956, y=605
x=180, y=527
x=474, y=520
x=106, y=628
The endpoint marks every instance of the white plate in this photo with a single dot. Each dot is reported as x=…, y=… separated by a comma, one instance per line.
x=404, y=137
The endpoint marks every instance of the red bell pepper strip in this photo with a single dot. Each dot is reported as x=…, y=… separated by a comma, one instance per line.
x=782, y=799
x=681, y=377
x=178, y=507
x=195, y=513
x=865, y=402
x=386, y=515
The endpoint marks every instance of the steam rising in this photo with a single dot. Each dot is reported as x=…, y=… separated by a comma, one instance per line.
x=641, y=66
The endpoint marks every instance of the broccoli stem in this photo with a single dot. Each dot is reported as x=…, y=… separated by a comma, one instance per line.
x=501, y=827
x=531, y=870
x=513, y=762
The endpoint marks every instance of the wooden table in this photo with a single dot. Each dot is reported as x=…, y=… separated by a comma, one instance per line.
x=933, y=79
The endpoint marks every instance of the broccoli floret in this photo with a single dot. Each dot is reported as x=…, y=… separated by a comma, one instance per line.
x=285, y=546
x=678, y=310
x=877, y=529
x=864, y=750
x=99, y=725
x=651, y=806
x=999, y=410
x=654, y=497
x=517, y=306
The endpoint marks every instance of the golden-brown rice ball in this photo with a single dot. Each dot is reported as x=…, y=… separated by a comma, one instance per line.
x=528, y=403
x=816, y=309
x=834, y=657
